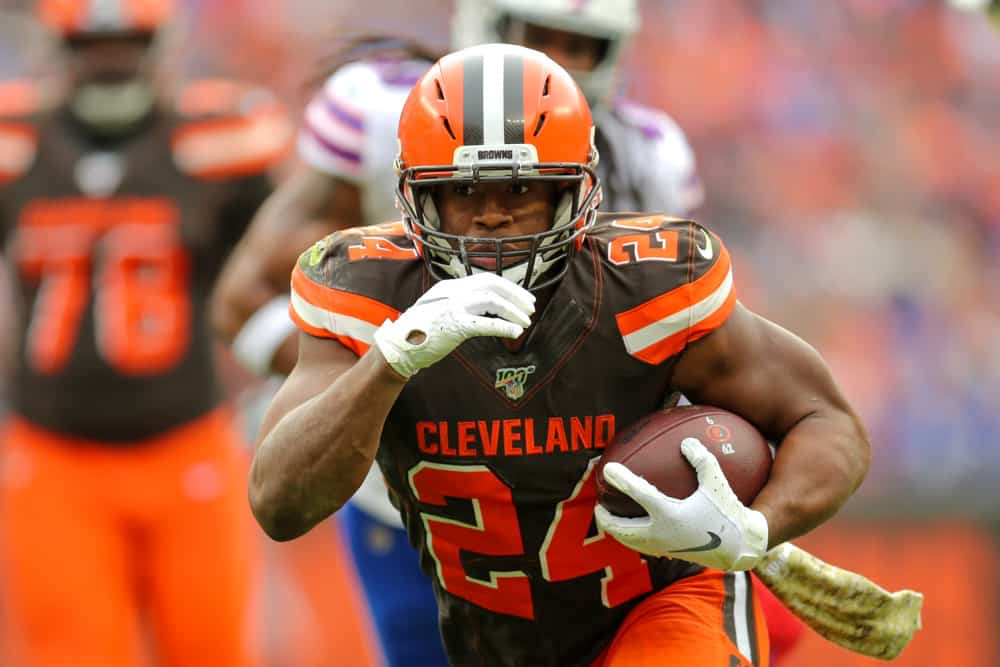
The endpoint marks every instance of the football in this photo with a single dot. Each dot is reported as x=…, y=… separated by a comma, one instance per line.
x=651, y=448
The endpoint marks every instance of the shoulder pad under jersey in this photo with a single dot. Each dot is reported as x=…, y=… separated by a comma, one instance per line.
x=229, y=129
x=667, y=167
x=677, y=278
x=20, y=103
x=346, y=285
x=345, y=118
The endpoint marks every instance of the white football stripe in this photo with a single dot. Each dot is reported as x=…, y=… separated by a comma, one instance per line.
x=493, y=111
x=681, y=320
x=340, y=325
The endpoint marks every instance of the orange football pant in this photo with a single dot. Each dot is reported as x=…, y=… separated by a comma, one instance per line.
x=97, y=539
x=709, y=620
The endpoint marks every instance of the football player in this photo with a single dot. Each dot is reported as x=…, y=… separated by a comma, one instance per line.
x=124, y=485
x=347, y=144
x=489, y=345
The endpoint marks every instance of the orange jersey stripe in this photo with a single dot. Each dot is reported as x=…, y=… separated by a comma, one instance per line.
x=676, y=300
x=223, y=147
x=659, y=352
x=713, y=321
x=354, y=345
x=340, y=302
x=208, y=96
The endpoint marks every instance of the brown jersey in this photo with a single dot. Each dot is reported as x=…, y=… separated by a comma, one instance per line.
x=489, y=454
x=115, y=246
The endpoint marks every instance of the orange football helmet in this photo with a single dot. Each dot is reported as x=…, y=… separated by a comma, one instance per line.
x=91, y=18
x=497, y=112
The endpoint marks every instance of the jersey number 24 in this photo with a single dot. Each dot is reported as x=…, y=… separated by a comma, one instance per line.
x=567, y=552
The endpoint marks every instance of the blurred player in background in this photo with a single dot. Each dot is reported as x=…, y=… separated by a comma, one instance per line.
x=347, y=143
x=124, y=493
x=991, y=7
x=646, y=162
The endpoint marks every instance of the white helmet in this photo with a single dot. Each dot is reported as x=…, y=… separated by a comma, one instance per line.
x=482, y=21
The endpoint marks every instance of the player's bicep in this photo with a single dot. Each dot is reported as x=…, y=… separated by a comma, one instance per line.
x=320, y=362
x=759, y=370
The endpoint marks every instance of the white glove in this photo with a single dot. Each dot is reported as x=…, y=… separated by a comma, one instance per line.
x=448, y=314
x=710, y=527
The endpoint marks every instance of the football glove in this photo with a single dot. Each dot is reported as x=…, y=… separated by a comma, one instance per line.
x=448, y=314
x=710, y=527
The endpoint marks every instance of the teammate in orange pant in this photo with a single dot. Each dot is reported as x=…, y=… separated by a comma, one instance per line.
x=124, y=492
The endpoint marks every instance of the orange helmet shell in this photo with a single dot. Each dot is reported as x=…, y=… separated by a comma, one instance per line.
x=490, y=96
x=73, y=18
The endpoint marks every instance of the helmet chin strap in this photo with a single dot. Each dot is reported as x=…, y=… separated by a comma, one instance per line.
x=113, y=109
x=516, y=273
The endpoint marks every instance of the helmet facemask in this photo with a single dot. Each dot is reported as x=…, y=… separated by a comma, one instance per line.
x=493, y=117
x=534, y=261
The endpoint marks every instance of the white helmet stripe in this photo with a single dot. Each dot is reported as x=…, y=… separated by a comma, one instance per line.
x=493, y=97
x=493, y=108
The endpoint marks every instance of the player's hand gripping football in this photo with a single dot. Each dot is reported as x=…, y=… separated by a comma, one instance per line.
x=448, y=314
x=710, y=527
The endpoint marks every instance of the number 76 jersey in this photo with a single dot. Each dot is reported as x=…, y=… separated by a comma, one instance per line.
x=489, y=454
x=115, y=245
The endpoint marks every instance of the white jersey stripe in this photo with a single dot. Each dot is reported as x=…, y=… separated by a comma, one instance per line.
x=740, y=593
x=493, y=111
x=338, y=325
x=681, y=320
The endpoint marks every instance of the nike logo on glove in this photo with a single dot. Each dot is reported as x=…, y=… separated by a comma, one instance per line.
x=713, y=542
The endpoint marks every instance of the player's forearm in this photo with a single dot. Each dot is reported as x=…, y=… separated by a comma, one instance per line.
x=820, y=462
x=314, y=459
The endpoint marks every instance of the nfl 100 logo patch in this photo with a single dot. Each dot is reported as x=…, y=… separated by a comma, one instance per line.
x=512, y=381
